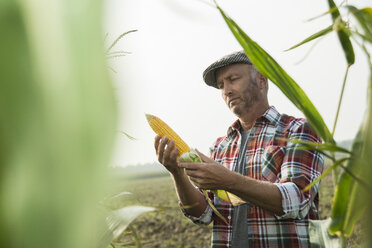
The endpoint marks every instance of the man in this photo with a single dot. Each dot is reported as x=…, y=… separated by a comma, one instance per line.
x=259, y=165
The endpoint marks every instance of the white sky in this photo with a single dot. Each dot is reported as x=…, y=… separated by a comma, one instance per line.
x=178, y=39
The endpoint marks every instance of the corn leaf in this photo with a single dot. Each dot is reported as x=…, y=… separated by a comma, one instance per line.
x=319, y=236
x=118, y=200
x=214, y=208
x=272, y=70
x=320, y=146
x=351, y=197
x=128, y=136
x=118, y=220
x=119, y=38
x=364, y=17
x=342, y=33
x=323, y=14
x=321, y=33
x=325, y=173
x=345, y=193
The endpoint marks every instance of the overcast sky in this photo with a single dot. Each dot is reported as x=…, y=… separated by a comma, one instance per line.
x=178, y=39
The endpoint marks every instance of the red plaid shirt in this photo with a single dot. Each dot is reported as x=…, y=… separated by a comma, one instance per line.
x=275, y=160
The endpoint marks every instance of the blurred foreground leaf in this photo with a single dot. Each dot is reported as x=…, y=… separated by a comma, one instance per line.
x=58, y=122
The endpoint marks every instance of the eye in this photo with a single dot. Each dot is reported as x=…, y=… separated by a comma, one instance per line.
x=234, y=78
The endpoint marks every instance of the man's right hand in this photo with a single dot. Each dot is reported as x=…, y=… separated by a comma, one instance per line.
x=167, y=154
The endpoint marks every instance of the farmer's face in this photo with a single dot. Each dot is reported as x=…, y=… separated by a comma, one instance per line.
x=238, y=88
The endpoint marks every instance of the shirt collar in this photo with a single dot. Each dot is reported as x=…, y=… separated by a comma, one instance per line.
x=271, y=115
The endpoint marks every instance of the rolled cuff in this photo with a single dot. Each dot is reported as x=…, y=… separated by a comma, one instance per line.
x=291, y=200
x=204, y=219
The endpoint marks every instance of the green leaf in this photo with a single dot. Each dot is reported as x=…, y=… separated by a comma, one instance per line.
x=272, y=70
x=343, y=36
x=364, y=17
x=319, y=235
x=119, y=38
x=128, y=136
x=342, y=33
x=118, y=220
x=58, y=114
x=335, y=164
x=313, y=37
x=320, y=146
x=335, y=13
x=119, y=200
x=350, y=197
x=323, y=14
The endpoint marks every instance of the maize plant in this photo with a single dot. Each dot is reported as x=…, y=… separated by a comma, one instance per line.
x=352, y=198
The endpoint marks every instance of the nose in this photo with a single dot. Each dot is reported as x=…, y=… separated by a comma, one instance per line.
x=227, y=90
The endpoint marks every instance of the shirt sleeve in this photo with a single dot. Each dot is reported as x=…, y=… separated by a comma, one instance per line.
x=299, y=169
x=204, y=219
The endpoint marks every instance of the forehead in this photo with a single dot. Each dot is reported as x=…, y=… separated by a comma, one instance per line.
x=232, y=69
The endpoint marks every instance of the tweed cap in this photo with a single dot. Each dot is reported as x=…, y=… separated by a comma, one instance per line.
x=209, y=75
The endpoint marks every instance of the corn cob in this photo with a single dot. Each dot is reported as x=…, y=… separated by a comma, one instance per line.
x=162, y=129
x=189, y=155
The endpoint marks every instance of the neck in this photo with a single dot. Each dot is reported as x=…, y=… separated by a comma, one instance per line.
x=248, y=119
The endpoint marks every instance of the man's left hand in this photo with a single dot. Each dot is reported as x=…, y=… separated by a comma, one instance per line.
x=208, y=174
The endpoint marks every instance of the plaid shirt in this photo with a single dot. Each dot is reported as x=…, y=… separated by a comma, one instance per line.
x=274, y=160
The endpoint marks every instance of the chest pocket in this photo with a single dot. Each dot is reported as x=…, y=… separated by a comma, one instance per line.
x=272, y=159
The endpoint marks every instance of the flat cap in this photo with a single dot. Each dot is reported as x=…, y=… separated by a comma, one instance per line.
x=209, y=75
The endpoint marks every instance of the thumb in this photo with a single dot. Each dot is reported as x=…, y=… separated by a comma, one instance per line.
x=204, y=157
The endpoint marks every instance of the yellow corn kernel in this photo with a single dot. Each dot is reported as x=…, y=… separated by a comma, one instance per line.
x=162, y=129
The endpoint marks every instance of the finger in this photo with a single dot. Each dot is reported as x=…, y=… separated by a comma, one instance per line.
x=174, y=154
x=168, y=150
x=204, y=157
x=156, y=143
x=189, y=166
x=161, y=147
x=192, y=173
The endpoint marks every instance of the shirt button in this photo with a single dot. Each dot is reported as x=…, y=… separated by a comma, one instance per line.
x=229, y=217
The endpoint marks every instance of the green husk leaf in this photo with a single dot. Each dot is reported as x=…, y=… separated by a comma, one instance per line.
x=272, y=70
x=321, y=33
x=191, y=156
